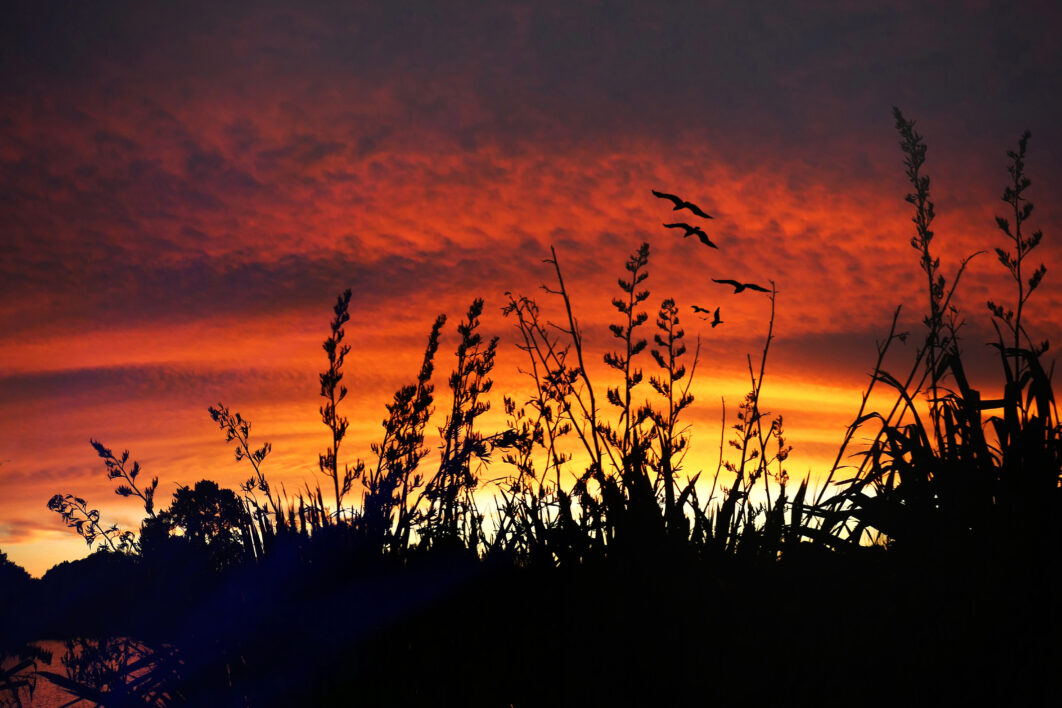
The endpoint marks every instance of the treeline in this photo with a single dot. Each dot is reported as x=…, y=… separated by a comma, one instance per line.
x=601, y=572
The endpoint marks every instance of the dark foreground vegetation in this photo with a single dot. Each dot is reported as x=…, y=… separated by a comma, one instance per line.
x=602, y=572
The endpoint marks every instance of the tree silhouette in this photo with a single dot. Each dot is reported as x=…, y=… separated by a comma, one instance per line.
x=209, y=518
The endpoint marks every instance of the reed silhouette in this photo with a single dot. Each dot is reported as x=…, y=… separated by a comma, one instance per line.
x=333, y=392
x=604, y=570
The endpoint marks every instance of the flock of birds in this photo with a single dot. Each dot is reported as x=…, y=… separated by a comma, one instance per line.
x=690, y=230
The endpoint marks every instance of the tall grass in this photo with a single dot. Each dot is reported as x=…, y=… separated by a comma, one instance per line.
x=593, y=477
x=954, y=480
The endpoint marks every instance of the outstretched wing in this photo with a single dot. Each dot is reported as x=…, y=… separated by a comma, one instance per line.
x=675, y=200
x=732, y=283
x=680, y=225
x=697, y=210
x=697, y=308
x=757, y=288
x=704, y=239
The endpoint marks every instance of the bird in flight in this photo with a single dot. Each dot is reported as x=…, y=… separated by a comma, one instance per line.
x=715, y=321
x=682, y=204
x=739, y=287
x=693, y=230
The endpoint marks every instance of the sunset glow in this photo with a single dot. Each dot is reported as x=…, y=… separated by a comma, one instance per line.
x=185, y=194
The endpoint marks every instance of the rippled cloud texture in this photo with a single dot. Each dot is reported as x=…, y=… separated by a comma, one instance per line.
x=184, y=189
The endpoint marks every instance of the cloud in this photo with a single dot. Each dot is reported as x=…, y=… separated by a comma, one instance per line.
x=566, y=73
x=185, y=189
x=18, y=531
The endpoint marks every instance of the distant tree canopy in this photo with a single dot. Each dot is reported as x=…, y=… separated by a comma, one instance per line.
x=208, y=517
x=12, y=574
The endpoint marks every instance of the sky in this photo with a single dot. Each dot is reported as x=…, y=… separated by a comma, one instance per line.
x=186, y=187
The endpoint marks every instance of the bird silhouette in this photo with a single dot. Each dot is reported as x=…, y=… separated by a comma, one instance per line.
x=682, y=204
x=715, y=321
x=739, y=287
x=693, y=230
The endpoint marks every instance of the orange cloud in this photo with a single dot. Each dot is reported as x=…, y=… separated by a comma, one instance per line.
x=182, y=202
